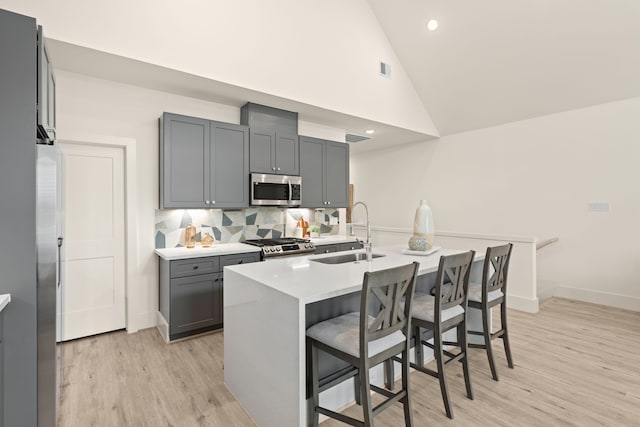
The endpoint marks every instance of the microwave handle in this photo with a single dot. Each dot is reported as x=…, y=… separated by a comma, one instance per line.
x=290, y=192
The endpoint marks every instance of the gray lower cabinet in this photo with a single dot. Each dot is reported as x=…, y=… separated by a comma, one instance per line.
x=191, y=292
x=273, y=152
x=324, y=168
x=338, y=247
x=203, y=163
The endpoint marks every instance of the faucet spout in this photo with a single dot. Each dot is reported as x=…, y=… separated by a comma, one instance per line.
x=368, y=242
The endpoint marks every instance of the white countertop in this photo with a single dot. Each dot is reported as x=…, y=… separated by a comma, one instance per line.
x=216, y=249
x=309, y=281
x=4, y=300
x=330, y=239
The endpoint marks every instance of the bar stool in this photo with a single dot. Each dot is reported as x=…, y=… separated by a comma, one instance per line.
x=364, y=341
x=436, y=314
x=486, y=295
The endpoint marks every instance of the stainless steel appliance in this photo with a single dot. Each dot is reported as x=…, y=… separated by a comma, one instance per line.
x=275, y=190
x=285, y=246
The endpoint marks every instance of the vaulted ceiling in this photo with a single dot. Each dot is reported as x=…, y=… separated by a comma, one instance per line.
x=498, y=61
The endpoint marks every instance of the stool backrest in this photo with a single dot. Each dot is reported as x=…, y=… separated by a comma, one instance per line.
x=497, y=259
x=393, y=288
x=453, y=270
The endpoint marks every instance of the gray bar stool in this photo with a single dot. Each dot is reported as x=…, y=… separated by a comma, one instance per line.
x=367, y=338
x=433, y=315
x=486, y=295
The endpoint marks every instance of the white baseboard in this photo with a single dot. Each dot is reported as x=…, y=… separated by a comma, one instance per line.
x=625, y=302
x=530, y=305
x=163, y=327
x=143, y=321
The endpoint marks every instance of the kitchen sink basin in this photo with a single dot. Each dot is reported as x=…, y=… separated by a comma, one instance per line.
x=342, y=259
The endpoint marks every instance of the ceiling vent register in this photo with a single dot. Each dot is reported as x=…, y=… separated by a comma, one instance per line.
x=355, y=138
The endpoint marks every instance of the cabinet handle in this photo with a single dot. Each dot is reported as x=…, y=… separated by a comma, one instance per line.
x=326, y=251
x=273, y=168
x=277, y=169
x=328, y=203
x=195, y=267
x=206, y=202
x=241, y=261
x=213, y=202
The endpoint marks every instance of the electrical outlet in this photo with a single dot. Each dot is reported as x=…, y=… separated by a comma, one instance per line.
x=599, y=206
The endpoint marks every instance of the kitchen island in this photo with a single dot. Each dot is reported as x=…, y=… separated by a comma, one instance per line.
x=267, y=309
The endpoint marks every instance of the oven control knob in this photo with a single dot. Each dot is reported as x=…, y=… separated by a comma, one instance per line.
x=278, y=249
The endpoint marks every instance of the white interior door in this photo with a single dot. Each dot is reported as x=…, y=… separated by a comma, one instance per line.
x=92, y=290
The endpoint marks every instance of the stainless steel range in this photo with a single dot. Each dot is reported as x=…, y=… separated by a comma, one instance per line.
x=283, y=247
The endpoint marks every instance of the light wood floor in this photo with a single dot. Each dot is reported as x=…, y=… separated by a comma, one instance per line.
x=576, y=364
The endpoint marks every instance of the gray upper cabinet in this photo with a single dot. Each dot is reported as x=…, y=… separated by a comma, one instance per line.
x=229, y=160
x=203, y=164
x=274, y=139
x=324, y=168
x=274, y=152
x=46, y=91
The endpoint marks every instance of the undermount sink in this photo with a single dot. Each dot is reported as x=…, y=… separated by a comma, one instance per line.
x=342, y=259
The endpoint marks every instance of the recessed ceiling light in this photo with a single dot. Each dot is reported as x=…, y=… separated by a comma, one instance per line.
x=432, y=25
x=370, y=131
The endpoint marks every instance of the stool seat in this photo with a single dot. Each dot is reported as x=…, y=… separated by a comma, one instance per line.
x=475, y=293
x=343, y=333
x=424, y=308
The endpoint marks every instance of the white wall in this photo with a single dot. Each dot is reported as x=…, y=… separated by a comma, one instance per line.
x=323, y=53
x=529, y=178
x=92, y=106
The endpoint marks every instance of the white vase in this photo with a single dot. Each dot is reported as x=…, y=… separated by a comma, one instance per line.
x=422, y=239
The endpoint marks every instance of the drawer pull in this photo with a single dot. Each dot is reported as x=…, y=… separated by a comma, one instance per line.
x=195, y=267
x=241, y=261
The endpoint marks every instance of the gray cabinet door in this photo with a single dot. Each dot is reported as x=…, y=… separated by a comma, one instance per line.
x=46, y=91
x=349, y=246
x=262, y=151
x=312, y=172
x=287, y=156
x=325, y=249
x=229, y=166
x=336, y=174
x=195, y=303
x=184, y=156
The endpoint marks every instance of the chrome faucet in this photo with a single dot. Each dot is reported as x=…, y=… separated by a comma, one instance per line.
x=367, y=245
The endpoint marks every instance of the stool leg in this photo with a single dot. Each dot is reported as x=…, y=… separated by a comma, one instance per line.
x=437, y=352
x=365, y=393
x=408, y=416
x=389, y=374
x=505, y=335
x=315, y=394
x=419, y=349
x=487, y=341
x=357, y=389
x=462, y=340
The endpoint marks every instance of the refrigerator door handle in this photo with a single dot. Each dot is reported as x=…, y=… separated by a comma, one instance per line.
x=60, y=240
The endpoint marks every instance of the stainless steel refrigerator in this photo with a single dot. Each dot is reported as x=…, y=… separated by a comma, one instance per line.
x=28, y=241
x=47, y=278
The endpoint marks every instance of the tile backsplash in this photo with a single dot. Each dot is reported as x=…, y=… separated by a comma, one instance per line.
x=239, y=225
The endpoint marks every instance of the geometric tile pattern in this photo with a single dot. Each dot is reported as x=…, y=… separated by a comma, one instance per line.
x=238, y=225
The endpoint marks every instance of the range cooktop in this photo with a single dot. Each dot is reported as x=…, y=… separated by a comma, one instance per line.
x=282, y=246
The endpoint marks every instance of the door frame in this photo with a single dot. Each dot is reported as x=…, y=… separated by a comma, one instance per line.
x=130, y=212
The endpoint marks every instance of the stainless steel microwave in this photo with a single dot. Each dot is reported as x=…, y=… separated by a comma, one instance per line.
x=275, y=190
